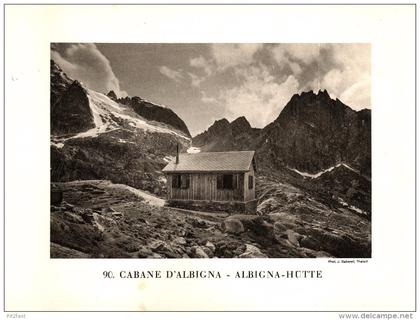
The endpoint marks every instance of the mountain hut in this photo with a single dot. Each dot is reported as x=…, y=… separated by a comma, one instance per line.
x=212, y=181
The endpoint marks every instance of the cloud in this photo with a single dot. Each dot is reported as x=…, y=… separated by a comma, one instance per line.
x=202, y=63
x=260, y=98
x=229, y=55
x=296, y=68
x=171, y=73
x=305, y=53
x=195, y=79
x=349, y=79
x=207, y=99
x=358, y=95
x=342, y=69
x=223, y=56
x=295, y=55
x=84, y=62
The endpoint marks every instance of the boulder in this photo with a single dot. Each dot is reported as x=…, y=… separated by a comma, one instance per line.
x=104, y=222
x=73, y=218
x=211, y=246
x=208, y=252
x=252, y=252
x=279, y=228
x=311, y=243
x=233, y=226
x=293, y=237
x=275, y=216
x=199, y=223
x=199, y=253
x=157, y=244
x=144, y=252
x=180, y=241
x=165, y=249
x=255, y=225
x=240, y=249
x=268, y=205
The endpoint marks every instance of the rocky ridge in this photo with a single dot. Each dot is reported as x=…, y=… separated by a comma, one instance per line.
x=311, y=133
x=154, y=112
x=227, y=136
x=95, y=137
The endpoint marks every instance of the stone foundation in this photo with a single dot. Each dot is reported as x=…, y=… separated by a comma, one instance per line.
x=249, y=207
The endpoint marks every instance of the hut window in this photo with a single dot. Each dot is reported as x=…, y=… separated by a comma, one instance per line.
x=250, y=182
x=181, y=181
x=227, y=181
x=185, y=181
x=176, y=181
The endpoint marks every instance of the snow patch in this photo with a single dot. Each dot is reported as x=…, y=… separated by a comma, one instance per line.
x=348, y=167
x=320, y=173
x=156, y=104
x=193, y=150
x=59, y=145
x=125, y=141
x=357, y=210
x=351, y=207
x=167, y=159
x=150, y=199
x=110, y=106
x=105, y=111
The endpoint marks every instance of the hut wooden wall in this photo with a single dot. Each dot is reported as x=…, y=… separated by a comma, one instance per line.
x=203, y=186
x=249, y=194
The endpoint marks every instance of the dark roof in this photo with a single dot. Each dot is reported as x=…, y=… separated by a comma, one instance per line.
x=233, y=161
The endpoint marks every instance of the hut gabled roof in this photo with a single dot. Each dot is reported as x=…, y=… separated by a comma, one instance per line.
x=231, y=161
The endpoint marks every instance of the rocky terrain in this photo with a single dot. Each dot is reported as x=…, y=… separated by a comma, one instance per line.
x=99, y=219
x=313, y=181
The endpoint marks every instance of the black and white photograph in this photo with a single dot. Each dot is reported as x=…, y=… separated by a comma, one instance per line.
x=210, y=150
x=176, y=160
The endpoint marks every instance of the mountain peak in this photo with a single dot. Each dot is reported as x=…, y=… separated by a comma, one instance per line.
x=221, y=122
x=240, y=119
x=323, y=93
x=240, y=125
x=310, y=107
x=111, y=94
x=77, y=86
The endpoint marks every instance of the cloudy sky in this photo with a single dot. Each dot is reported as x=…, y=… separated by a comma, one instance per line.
x=206, y=82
